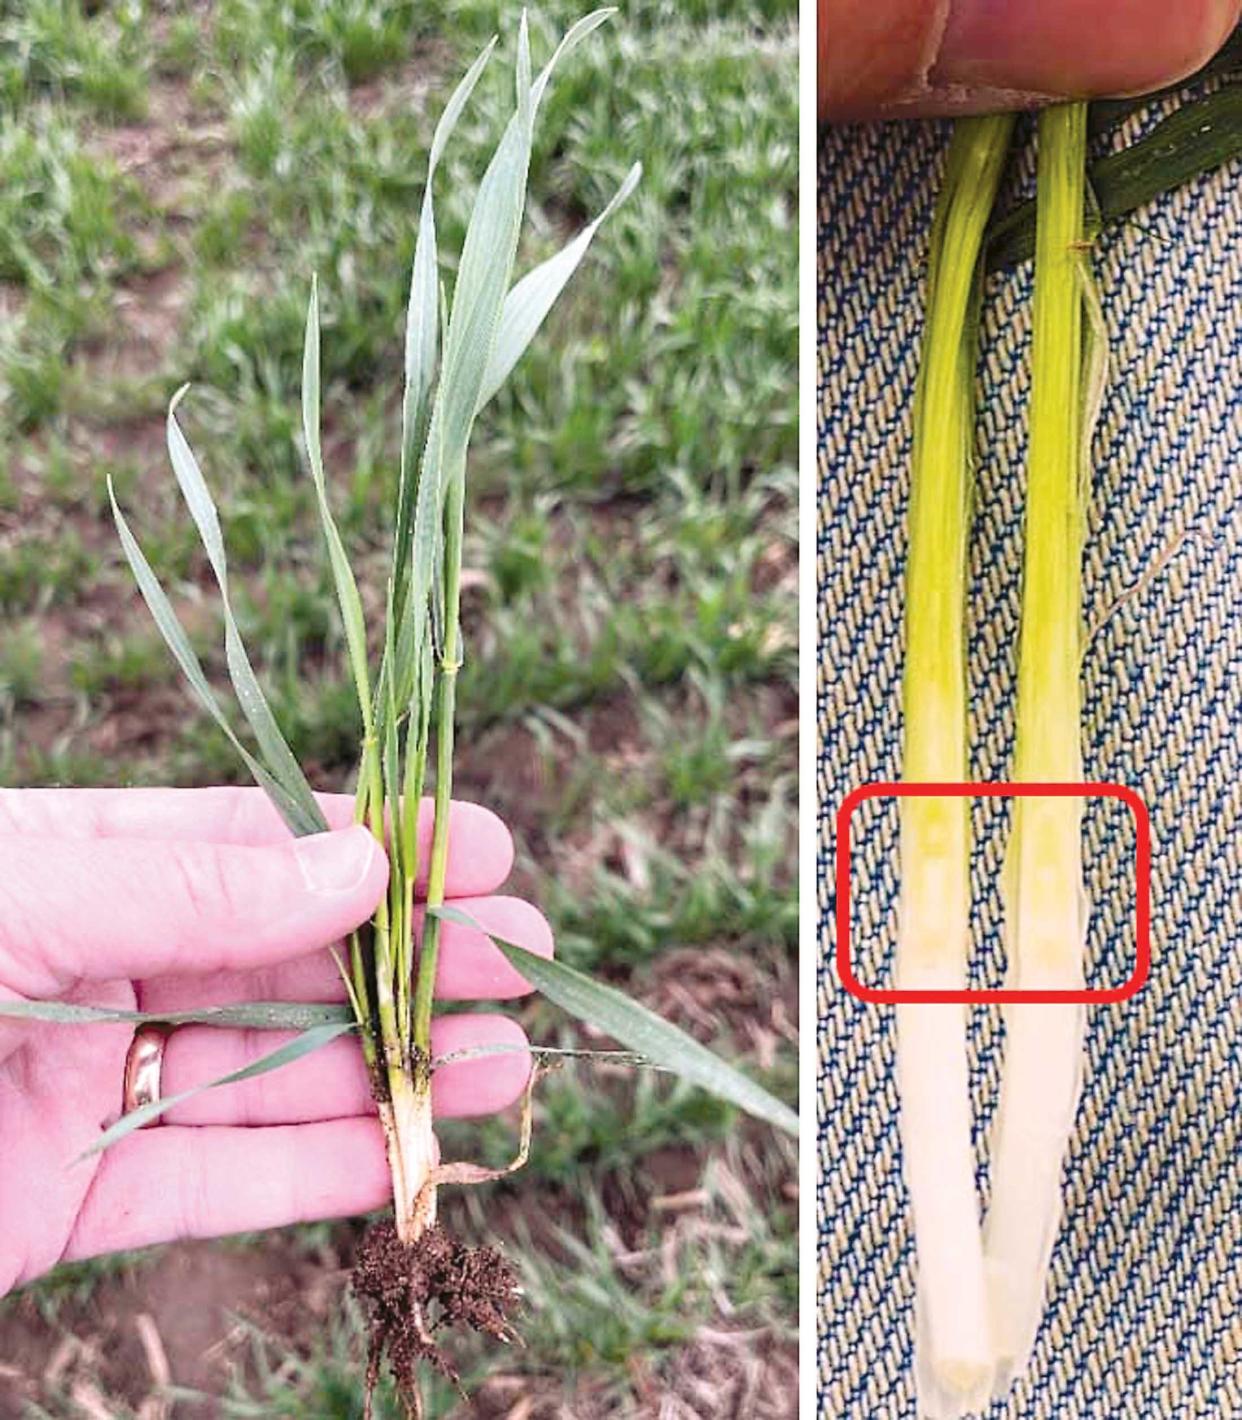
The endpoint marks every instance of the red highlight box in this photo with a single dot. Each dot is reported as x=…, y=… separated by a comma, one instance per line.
x=1142, y=896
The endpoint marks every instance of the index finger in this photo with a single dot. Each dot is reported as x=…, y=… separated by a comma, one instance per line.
x=480, y=845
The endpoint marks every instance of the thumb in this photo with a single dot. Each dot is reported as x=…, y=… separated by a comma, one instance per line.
x=889, y=58
x=105, y=908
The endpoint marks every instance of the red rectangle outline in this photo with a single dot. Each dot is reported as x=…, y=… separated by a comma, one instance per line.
x=994, y=790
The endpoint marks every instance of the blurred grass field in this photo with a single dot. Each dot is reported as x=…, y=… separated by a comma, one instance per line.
x=172, y=176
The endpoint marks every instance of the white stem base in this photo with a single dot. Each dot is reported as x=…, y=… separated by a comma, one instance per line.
x=411, y=1157
x=953, y=1351
x=1039, y=1099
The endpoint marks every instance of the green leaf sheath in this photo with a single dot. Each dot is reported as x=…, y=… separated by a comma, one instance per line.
x=633, y=1025
x=934, y=831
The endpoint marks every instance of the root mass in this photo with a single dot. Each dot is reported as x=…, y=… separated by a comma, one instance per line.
x=412, y=1292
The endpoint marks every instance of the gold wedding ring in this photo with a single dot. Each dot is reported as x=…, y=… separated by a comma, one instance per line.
x=144, y=1066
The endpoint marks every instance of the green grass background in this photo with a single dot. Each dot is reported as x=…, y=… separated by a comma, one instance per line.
x=172, y=176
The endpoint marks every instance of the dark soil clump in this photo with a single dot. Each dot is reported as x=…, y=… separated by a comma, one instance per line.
x=413, y=1292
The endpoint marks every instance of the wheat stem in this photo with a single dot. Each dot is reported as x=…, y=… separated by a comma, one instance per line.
x=1045, y=903
x=953, y=1349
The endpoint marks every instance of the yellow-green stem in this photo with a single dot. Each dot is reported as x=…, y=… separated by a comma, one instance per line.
x=1045, y=904
x=1049, y=714
x=394, y=1049
x=361, y=1001
x=934, y=831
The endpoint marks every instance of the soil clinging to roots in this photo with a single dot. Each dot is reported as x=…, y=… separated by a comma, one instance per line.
x=412, y=1292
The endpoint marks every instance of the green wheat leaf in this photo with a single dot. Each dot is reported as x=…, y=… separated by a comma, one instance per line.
x=635, y=1026
x=247, y=1015
x=291, y=809
x=342, y=574
x=570, y=41
x=482, y=279
x=305, y=1044
x=422, y=325
x=528, y=303
x=277, y=756
x=541, y=1053
x=1197, y=138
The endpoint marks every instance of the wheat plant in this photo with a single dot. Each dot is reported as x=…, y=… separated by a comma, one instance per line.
x=460, y=344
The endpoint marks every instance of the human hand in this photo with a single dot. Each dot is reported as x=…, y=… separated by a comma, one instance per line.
x=898, y=58
x=170, y=900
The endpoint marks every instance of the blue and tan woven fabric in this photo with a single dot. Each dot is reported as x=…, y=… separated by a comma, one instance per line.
x=1143, y=1318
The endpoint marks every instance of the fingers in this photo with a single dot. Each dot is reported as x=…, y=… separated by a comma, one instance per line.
x=470, y=966
x=480, y=846
x=892, y=57
x=99, y=909
x=166, y=1183
x=1078, y=48
x=183, y=1181
x=217, y=815
x=873, y=55
x=332, y=1082
x=487, y=1084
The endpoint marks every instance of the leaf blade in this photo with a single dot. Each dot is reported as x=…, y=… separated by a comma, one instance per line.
x=1197, y=138
x=170, y=628
x=422, y=326
x=347, y=596
x=656, y=1039
x=247, y=1015
x=278, y=758
x=530, y=299
x=310, y=1040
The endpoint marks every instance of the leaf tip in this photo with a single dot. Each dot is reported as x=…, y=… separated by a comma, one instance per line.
x=175, y=401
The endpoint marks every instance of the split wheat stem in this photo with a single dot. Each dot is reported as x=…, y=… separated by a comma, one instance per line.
x=1045, y=902
x=953, y=1348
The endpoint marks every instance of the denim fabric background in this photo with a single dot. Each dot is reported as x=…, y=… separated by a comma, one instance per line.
x=1144, y=1316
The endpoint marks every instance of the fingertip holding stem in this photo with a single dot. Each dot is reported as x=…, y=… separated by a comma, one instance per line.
x=1071, y=49
x=345, y=864
x=889, y=58
x=340, y=863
